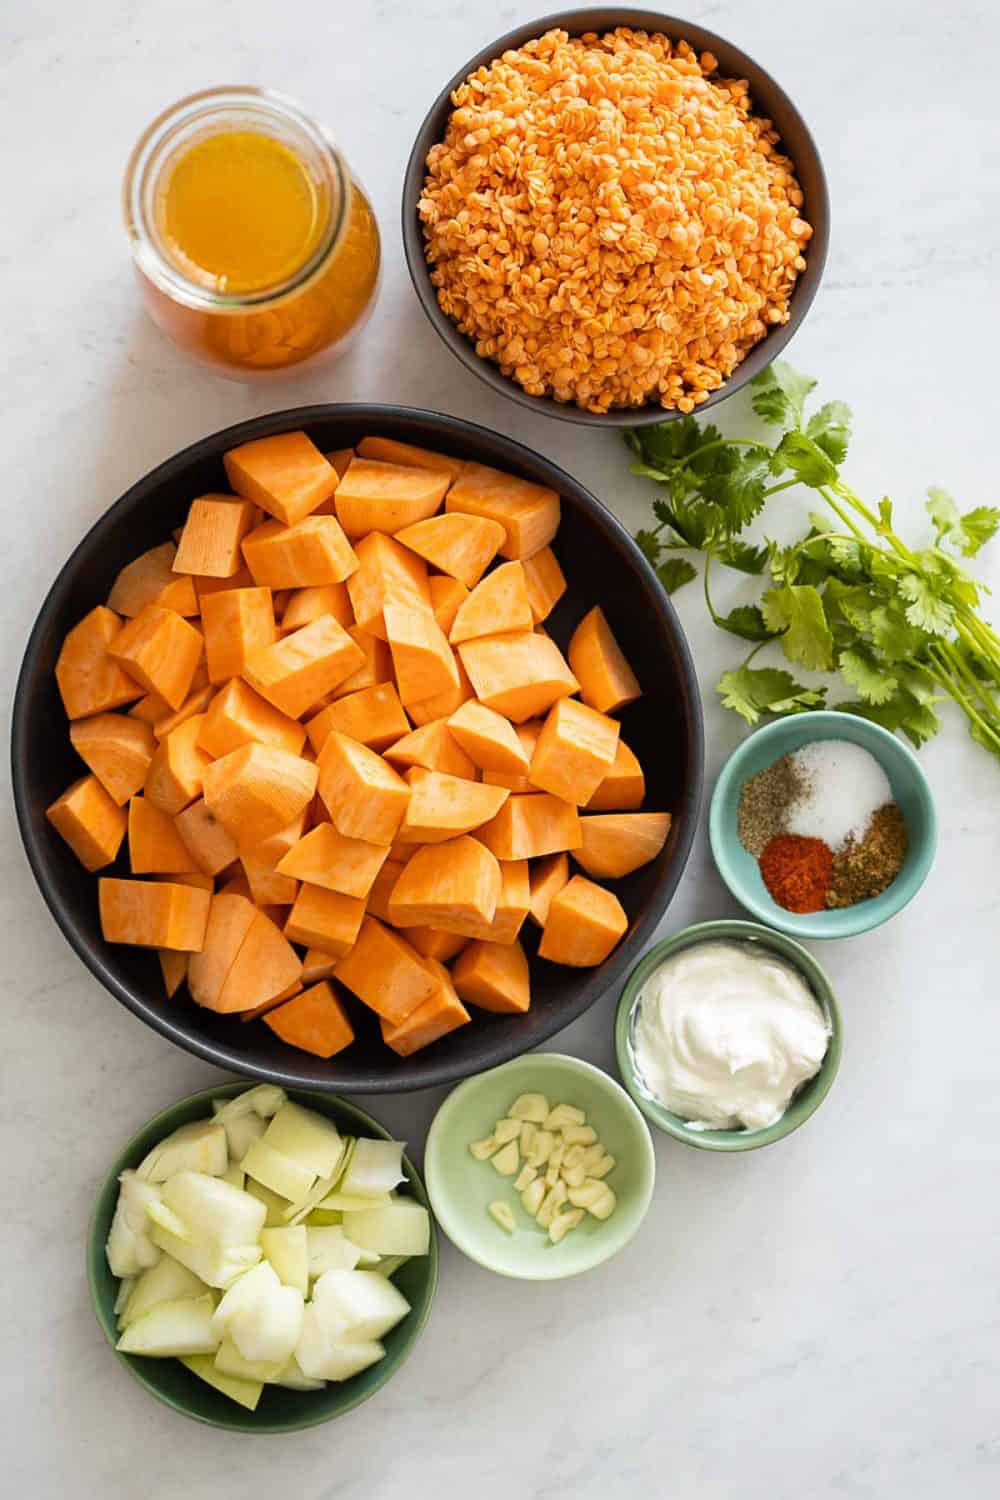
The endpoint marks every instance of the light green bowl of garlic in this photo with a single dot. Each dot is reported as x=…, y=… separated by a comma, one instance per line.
x=462, y=1188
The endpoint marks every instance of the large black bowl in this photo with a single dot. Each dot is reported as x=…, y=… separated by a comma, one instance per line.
x=769, y=100
x=664, y=727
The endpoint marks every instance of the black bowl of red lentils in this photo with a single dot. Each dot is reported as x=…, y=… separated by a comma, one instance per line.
x=614, y=216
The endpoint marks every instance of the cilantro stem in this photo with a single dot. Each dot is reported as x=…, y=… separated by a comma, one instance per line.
x=944, y=679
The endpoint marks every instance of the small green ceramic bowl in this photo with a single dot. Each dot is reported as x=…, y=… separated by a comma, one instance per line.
x=279, y=1410
x=910, y=789
x=461, y=1188
x=804, y=1103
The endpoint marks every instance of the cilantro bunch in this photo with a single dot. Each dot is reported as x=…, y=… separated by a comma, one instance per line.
x=901, y=625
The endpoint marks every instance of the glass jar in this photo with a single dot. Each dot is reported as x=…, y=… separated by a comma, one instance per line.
x=254, y=247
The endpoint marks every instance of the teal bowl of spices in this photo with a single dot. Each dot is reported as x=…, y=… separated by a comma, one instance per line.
x=796, y=766
x=804, y=1102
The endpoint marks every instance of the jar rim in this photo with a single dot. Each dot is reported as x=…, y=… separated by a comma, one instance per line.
x=147, y=160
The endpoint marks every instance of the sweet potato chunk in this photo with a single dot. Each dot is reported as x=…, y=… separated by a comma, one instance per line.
x=237, y=623
x=574, y=751
x=314, y=1021
x=364, y=796
x=326, y=858
x=265, y=966
x=386, y=574
x=499, y=604
x=154, y=845
x=91, y=822
x=385, y=972
x=306, y=605
x=153, y=914
x=213, y=531
x=286, y=475
x=257, y=790
x=388, y=450
x=527, y=737
x=340, y=458
x=529, y=826
x=422, y=659
x=383, y=886
x=268, y=885
x=374, y=716
x=433, y=747
x=447, y=598
x=454, y=886
x=151, y=578
x=442, y=705
x=316, y=966
x=606, y=680
x=461, y=545
x=90, y=681
x=160, y=650
x=624, y=786
x=546, y=879
x=545, y=582
x=443, y=807
x=494, y=976
x=375, y=496
x=312, y=552
x=512, y=906
x=528, y=513
x=432, y=942
x=298, y=670
x=207, y=842
x=173, y=967
x=239, y=716
x=325, y=919
x=439, y=1015
x=584, y=923
x=117, y=749
x=489, y=739
x=375, y=668
x=194, y=704
x=615, y=844
x=520, y=676
x=230, y=917
x=177, y=769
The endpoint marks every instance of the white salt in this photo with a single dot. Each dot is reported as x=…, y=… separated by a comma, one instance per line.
x=843, y=785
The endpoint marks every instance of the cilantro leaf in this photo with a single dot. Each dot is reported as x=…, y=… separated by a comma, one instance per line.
x=917, y=721
x=966, y=532
x=893, y=634
x=926, y=608
x=851, y=603
x=737, y=482
x=675, y=573
x=747, y=621
x=665, y=443
x=696, y=522
x=806, y=459
x=830, y=429
x=860, y=670
x=743, y=556
x=649, y=545
x=752, y=691
x=797, y=611
x=780, y=394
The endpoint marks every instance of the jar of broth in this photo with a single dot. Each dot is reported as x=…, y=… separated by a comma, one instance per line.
x=254, y=247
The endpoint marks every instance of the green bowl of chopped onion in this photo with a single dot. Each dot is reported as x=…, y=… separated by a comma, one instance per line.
x=195, y=1389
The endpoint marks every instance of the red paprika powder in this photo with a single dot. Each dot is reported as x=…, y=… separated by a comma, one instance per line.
x=797, y=871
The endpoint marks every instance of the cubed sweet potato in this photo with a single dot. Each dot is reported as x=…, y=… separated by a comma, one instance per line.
x=257, y=790
x=606, y=680
x=306, y=605
x=584, y=923
x=238, y=715
x=615, y=844
x=286, y=475
x=390, y=451
x=385, y=972
x=528, y=513
x=497, y=605
x=422, y=659
x=489, y=739
x=624, y=786
x=154, y=845
x=160, y=650
x=207, y=842
x=386, y=574
x=574, y=752
x=150, y=579
x=314, y=1021
x=153, y=914
x=326, y=858
x=91, y=822
x=299, y=669
x=493, y=976
x=520, y=676
x=237, y=623
x=376, y=496
x=433, y=747
x=325, y=919
x=545, y=581
x=364, y=796
x=176, y=772
x=89, y=679
x=454, y=886
x=117, y=749
x=528, y=826
x=438, y=1016
x=312, y=552
x=460, y=545
x=443, y=807
x=547, y=876
x=374, y=716
x=447, y=598
x=210, y=542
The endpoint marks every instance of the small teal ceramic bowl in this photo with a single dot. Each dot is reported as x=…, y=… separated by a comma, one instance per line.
x=910, y=789
x=802, y=1105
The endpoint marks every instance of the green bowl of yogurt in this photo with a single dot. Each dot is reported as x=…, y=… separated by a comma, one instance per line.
x=728, y=1035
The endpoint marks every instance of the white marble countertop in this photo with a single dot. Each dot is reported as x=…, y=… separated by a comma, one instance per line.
x=821, y=1318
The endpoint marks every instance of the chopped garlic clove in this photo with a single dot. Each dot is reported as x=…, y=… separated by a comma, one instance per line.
x=591, y=1155
x=563, y=1223
x=484, y=1149
x=507, y=1159
x=554, y=1164
x=506, y=1130
x=573, y=1156
x=563, y=1115
x=579, y=1135
x=503, y=1215
x=534, y=1107
x=531, y=1198
x=525, y=1177
x=596, y=1197
x=551, y=1204
x=528, y=1133
x=574, y=1176
x=541, y=1147
x=604, y=1166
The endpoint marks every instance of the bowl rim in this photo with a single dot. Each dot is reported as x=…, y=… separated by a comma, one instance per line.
x=563, y=1062
x=576, y=21
x=94, y=1251
x=852, y=920
x=785, y=947
x=451, y=429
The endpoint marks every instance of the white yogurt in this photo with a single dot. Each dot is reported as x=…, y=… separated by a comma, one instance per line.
x=725, y=1033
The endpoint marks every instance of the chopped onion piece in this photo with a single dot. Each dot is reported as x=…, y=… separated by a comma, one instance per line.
x=243, y=1392
x=197, y=1147
x=213, y=1210
x=249, y=1289
x=278, y=1172
x=399, y=1228
x=360, y=1304
x=130, y=1247
x=241, y=1134
x=287, y=1250
x=264, y=1100
x=167, y=1281
x=172, y=1328
x=229, y=1361
x=375, y=1168
x=291, y=1377
x=269, y=1329
x=350, y=1203
x=217, y=1267
x=310, y=1139
x=274, y=1205
x=323, y=1357
x=329, y=1249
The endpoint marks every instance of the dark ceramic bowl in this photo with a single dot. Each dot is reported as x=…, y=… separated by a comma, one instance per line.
x=769, y=100
x=603, y=566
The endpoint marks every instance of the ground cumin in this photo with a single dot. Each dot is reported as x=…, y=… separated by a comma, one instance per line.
x=866, y=867
x=609, y=222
